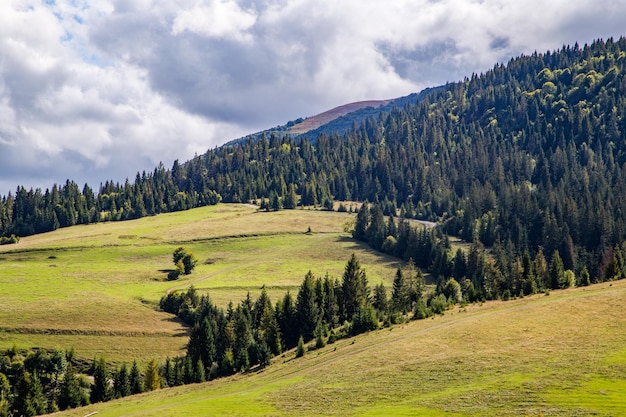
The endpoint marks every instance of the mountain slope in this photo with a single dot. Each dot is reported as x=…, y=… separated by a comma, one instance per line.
x=561, y=355
x=312, y=123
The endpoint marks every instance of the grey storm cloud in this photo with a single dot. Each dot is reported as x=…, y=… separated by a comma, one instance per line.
x=105, y=88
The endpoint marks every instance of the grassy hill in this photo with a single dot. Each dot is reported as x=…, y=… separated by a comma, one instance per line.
x=97, y=287
x=557, y=355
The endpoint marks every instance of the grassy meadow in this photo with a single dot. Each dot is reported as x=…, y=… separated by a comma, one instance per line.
x=96, y=287
x=558, y=355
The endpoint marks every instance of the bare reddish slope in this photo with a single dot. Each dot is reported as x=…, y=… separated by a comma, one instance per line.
x=321, y=119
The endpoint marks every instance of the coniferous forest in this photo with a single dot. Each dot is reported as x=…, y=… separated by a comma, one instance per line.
x=526, y=162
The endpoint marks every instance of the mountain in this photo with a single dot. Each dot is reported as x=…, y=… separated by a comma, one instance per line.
x=526, y=159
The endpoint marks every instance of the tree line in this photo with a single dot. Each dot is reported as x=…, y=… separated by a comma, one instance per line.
x=481, y=274
x=225, y=341
x=31, y=211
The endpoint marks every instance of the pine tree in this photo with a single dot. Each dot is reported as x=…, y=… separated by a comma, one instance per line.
x=152, y=378
x=121, y=383
x=71, y=395
x=134, y=379
x=362, y=223
x=354, y=290
x=29, y=399
x=287, y=321
x=291, y=198
x=307, y=309
x=100, y=390
x=556, y=271
x=301, y=350
x=399, y=295
x=379, y=298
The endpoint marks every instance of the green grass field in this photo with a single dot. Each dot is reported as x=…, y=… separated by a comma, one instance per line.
x=96, y=287
x=557, y=355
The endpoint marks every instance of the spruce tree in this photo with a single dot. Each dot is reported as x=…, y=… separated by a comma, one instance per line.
x=121, y=382
x=307, y=308
x=71, y=394
x=100, y=390
x=301, y=350
x=556, y=271
x=134, y=379
x=354, y=289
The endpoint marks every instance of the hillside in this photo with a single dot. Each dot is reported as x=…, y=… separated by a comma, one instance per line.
x=96, y=287
x=525, y=159
x=556, y=355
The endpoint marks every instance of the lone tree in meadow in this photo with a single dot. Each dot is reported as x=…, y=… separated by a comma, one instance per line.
x=184, y=260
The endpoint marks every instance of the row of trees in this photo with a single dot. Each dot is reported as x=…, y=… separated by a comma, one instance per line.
x=34, y=211
x=251, y=332
x=498, y=273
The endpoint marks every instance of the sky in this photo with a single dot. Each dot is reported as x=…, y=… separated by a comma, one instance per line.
x=92, y=90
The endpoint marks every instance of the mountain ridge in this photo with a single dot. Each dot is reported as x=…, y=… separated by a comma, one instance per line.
x=317, y=121
x=337, y=120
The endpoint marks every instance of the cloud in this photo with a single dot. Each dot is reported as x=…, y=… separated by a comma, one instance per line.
x=222, y=19
x=105, y=88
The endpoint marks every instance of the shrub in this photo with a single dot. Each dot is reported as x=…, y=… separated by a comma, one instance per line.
x=420, y=311
x=9, y=240
x=438, y=304
x=364, y=320
x=452, y=291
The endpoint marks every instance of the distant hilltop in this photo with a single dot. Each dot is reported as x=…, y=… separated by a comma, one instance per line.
x=338, y=120
x=314, y=122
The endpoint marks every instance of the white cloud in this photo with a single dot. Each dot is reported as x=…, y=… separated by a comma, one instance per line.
x=219, y=19
x=104, y=88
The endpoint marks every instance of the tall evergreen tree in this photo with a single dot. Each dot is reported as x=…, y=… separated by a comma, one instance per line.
x=307, y=308
x=71, y=394
x=354, y=290
x=121, y=382
x=153, y=378
x=134, y=379
x=101, y=389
